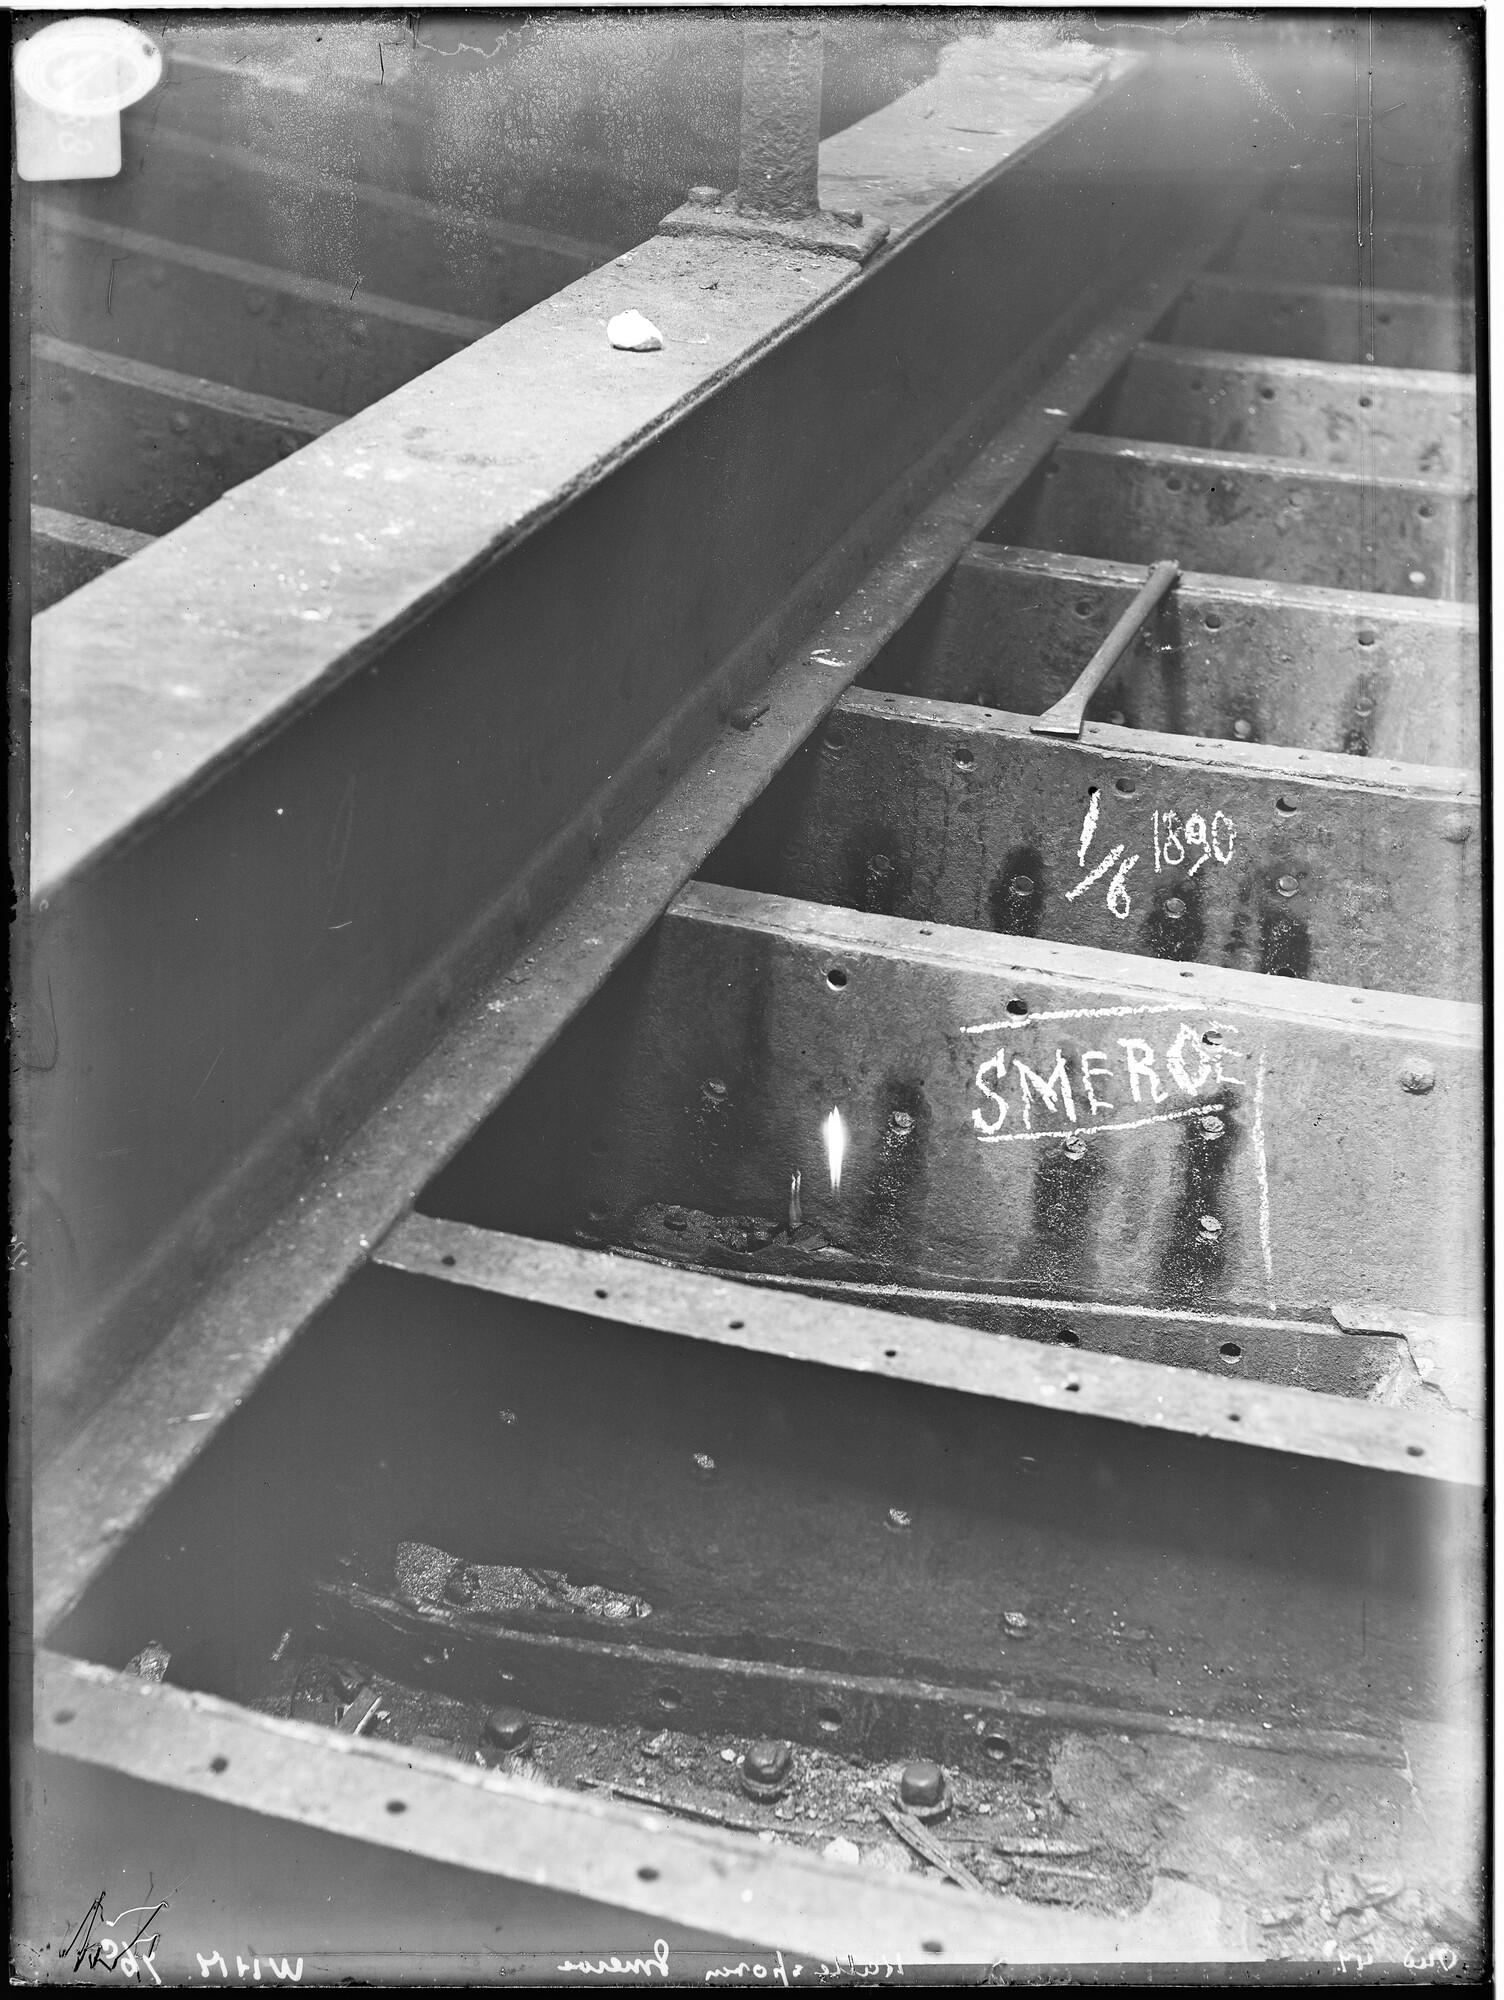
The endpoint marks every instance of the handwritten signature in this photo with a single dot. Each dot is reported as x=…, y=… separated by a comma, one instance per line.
x=90, y=1947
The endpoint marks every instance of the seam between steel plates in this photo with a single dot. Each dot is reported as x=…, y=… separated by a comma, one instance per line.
x=102, y=1483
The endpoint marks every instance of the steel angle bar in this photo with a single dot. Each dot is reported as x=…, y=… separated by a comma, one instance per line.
x=269, y=331
x=69, y=550
x=123, y=441
x=866, y=1339
x=1052, y=1107
x=277, y=211
x=861, y=1715
x=723, y=1885
x=1242, y=515
x=1398, y=422
x=1242, y=658
x=1350, y=870
x=687, y=746
x=1323, y=323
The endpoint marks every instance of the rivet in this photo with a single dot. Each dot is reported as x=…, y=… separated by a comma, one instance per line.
x=767, y=1770
x=1021, y=887
x=1242, y=729
x=1457, y=829
x=1075, y=1146
x=715, y=1088
x=506, y=1729
x=1209, y=1228
x=923, y=1789
x=1174, y=908
x=1117, y=719
x=1211, y=1125
x=675, y=1218
x=1288, y=885
x=180, y=421
x=1418, y=1077
x=902, y=1122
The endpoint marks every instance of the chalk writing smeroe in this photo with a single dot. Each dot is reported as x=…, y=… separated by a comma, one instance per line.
x=1174, y=1069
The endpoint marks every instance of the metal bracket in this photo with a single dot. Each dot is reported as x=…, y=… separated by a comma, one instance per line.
x=1068, y=714
x=777, y=199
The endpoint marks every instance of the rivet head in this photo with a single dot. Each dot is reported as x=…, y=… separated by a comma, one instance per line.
x=1021, y=887
x=180, y=421
x=1211, y=1125
x=1418, y=1077
x=1457, y=828
x=1288, y=885
x=1208, y=1228
x=1242, y=729
x=767, y=1769
x=1174, y=908
x=922, y=1785
x=1075, y=1146
x=902, y=1122
x=506, y=1729
x=675, y=1218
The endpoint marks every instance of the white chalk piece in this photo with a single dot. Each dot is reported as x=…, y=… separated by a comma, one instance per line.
x=73, y=79
x=841, y=1849
x=631, y=331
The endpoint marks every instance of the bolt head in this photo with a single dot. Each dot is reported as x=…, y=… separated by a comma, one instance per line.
x=1211, y=1126
x=1021, y=887
x=767, y=1764
x=1174, y=908
x=506, y=1729
x=1418, y=1077
x=922, y=1785
x=1075, y=1146
x=1242, y=729
x=1209, y=1227
x=1288, y=885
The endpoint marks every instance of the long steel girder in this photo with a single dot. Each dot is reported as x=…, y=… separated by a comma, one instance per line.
x=297, y=940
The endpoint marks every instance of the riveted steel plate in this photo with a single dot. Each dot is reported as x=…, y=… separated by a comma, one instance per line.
x=1345, y=870
x=1399, y=422
x=1322, y=323
x=1034, y=1115
x=1260, y=662
x=1245, y=516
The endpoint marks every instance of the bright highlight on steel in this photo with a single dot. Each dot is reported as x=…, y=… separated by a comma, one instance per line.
x=835, y=1148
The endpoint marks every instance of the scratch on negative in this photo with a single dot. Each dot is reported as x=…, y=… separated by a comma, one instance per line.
x=207, y=1074
x=1263, y=1173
